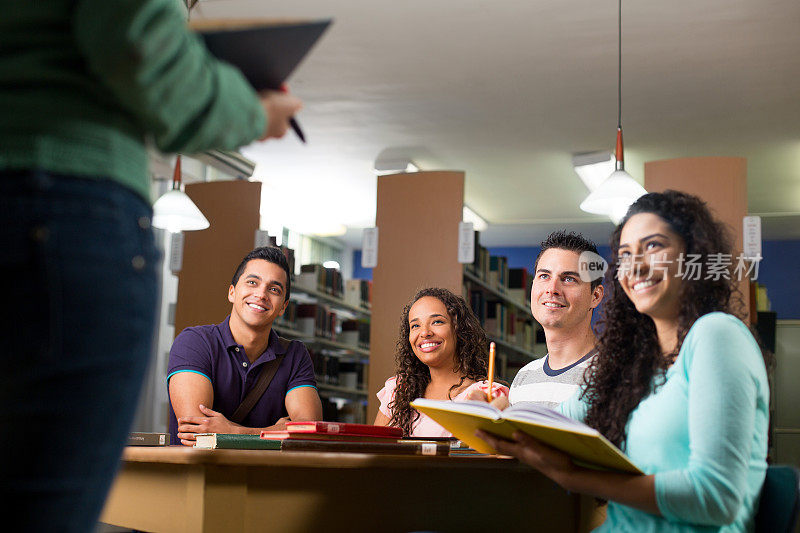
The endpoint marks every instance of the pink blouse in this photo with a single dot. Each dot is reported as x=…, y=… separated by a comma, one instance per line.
x=425, y=426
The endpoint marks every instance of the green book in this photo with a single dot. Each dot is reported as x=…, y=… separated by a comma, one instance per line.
x=210, y=441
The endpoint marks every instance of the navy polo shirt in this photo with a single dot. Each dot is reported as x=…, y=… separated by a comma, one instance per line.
x=212, y=352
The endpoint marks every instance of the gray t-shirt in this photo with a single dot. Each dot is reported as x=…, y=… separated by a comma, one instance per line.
x=537, y=382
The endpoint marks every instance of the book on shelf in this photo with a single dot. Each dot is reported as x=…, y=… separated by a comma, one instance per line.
x=337, y=371
x=334, y=285
x=585, y=445
x=316, y=319
x=477, y=301
x=309, y=277
x=327, y=280
x=211, y=441
x=496, y=319
x=351, y=375
x=288, y=253
x=358, y=292
x=340, y=428
x=266, y=51
x=519, y=284
x=326, y=367
x=355, y=333
x=481, y=263
x=140, y=438
x=289, y=317
x=498, y=272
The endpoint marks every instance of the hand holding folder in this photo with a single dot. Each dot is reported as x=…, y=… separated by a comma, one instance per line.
x=280, y=108
x=266, y=52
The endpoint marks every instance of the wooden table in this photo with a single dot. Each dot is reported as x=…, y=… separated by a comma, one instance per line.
x=187, y=490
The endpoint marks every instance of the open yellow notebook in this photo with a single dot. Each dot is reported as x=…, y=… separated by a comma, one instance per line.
x=585, y=445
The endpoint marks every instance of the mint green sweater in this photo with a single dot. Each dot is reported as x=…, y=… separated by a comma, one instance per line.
x=82, y=82
x=703, y=434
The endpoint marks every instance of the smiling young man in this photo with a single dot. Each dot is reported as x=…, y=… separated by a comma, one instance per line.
x=562, y=302
x=219, y=364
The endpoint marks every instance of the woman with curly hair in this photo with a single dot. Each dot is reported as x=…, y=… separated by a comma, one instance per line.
x=680, y=383
x=442, y=354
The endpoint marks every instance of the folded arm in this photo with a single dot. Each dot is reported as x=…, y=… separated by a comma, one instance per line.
x=303, y=403
x=187, y=392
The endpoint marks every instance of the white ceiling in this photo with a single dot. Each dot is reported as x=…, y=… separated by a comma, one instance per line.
x=508, y=90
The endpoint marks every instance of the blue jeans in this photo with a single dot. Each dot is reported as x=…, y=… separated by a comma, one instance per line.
x=79, y=279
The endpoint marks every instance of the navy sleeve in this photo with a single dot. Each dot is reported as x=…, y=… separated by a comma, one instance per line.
x=302, y=370
x=190, y=353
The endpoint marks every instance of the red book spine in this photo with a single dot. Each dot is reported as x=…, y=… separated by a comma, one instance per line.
x=343, y=428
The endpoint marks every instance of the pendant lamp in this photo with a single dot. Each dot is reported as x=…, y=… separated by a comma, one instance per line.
x=175, y=211
x=614, y=196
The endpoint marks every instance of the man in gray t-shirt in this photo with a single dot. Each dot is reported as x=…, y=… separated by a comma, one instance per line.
x=564, y=293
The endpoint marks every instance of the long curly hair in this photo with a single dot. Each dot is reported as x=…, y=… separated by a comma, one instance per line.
x=413, y=376
x=629, y=352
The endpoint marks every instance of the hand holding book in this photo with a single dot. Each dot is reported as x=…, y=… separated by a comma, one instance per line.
x=581, y=443
x=532, y=452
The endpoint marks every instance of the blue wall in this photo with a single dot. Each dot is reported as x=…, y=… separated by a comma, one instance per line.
x=779, y=271
x=358, y=271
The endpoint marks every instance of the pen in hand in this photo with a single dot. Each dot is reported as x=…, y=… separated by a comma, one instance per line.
x=491, y=370
x=292, y=121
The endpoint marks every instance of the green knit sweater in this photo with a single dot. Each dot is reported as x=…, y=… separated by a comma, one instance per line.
x=82, y=82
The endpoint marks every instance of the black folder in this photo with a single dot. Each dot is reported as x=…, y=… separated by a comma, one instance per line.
x=265, y=52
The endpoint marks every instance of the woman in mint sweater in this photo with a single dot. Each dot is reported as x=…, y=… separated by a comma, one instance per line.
x=679, y=384
x=82, y=84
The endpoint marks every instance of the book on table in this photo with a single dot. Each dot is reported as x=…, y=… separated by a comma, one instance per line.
x=210, y=441
x=389, y=447
x=585, y=445
x=295, y=435
x=342, y=428
x=140, y=438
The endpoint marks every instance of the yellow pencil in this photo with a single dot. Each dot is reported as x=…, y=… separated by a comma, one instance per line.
x=491, y=370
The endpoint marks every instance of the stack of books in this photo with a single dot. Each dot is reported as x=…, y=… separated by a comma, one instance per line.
x=319, y=278
x=336, y=437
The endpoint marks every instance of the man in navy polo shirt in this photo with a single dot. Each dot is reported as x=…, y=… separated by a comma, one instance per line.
x=218, y=364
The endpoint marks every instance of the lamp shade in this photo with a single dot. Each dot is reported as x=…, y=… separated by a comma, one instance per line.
x=614, y=196
x=175, y=212
x=593, y=167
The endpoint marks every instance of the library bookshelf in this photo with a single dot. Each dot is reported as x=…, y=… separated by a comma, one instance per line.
x=340, y=357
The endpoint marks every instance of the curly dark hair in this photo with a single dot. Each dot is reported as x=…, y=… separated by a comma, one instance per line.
x=413, y=376
x=629, y=352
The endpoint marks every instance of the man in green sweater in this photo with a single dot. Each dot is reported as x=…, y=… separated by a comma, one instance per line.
x=82, y=84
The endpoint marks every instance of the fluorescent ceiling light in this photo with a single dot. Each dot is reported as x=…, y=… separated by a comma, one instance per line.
x=593, y=167
x=478, y=223
x=383, y=167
